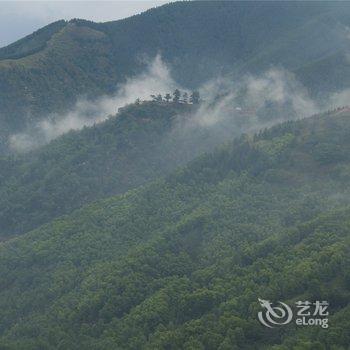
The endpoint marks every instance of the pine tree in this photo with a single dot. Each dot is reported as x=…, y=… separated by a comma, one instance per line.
x=185, y=97
x=176, y=95
x=167, y=97
x=195, y=97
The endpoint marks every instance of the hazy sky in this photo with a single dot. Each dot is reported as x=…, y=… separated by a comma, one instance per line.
x=20, y=18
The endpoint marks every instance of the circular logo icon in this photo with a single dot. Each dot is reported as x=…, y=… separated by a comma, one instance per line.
x=274, y=315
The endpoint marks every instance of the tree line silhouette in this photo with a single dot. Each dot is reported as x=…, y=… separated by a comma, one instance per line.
x=178, y=97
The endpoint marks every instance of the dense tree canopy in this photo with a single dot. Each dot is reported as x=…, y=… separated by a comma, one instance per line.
x=162, y=227
x=180, y=263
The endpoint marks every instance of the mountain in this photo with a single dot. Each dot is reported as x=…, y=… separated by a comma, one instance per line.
x=169, y=224
x=136, y=145
x=48, y=70
x=181, y=262
x=334, y=70
x=143, y=141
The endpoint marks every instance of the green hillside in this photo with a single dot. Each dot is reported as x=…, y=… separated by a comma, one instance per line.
x=109, y=158
x=162, y=226
x=32, y=43
x=48, y=70
x=335, y=72
x=142, y=142
x=181, y=262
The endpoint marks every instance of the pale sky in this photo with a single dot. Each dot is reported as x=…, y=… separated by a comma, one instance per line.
x=20, y=18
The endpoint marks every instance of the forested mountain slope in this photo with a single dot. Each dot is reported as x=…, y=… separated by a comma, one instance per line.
x=48, y=70
x=142, y=142
x=334, y=70
x=180, y=263
x=109, y=158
